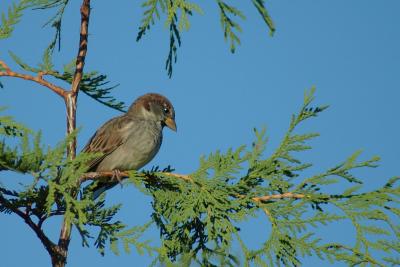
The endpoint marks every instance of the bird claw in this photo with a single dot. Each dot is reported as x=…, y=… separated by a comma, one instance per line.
x=117, y=176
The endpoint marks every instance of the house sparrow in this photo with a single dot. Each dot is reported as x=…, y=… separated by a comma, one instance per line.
x=130, y=141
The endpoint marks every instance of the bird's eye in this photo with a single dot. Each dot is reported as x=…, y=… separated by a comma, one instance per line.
x=166, y=110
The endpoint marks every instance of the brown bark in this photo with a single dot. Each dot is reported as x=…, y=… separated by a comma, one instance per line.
x=71, y=103
x=38, y=79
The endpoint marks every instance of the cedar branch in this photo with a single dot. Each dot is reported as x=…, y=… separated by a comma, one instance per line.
x=71, y=103
x=83, y=41
x=38, y=79
x=4, y=65
x=278, y=196
x=48, y=244
x=123, y=175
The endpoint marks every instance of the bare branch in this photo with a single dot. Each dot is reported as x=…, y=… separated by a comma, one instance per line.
x=71, y=98
x=180, y=176
x=38, y=79
x=80, y=59
x=71, y=101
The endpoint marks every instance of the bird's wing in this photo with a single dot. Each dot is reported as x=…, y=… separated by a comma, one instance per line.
x=106, y=139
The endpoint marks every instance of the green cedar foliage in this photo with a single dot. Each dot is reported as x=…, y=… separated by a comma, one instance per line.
x=175, y=13
x=93, y=84
x=199, y=217
x=53, y=184
x=11, y=18
x=15, y=12
x=199, y=220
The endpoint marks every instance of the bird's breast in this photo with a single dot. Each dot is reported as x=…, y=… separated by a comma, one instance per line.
x=142, y=143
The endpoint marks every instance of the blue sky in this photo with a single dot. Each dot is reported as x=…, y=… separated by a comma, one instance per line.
x=349, y=50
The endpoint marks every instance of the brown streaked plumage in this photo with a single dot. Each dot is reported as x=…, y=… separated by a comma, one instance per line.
x=130, y=141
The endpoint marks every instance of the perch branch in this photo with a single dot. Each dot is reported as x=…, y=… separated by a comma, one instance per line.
x=278, y=196
x=123, y=175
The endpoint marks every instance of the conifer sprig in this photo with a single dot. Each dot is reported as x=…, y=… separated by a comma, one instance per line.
x=96, y=86
x=260, y=6
x=93, y=84
x=13, y=16
x=228, y=25
x=176, y=20
x=15, y=12
x=176, y=15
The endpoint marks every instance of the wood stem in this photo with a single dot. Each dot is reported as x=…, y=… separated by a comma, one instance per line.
x=71, y=104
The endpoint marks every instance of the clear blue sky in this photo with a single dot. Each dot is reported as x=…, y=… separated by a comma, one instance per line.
x=350, y=50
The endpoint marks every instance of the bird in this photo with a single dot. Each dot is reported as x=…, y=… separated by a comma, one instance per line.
x=130, y=141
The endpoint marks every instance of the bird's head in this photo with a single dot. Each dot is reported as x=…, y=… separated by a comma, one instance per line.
x=154, y=107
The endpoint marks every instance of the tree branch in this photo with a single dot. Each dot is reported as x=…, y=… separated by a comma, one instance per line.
x=48, y=244
x=278, y=196
x=38, y=79
x=71, y=103
x=4, y=65
x=123, y=175
x=365, y=257
x=72, y=96
x=80, y=59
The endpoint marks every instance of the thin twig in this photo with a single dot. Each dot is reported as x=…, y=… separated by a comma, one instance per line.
x=366, y=258
x=270, y=217
x=5, y=67
x=43, y=73
x=176, y=175
x=278, y=196
x=38, y=79
x=43, y=218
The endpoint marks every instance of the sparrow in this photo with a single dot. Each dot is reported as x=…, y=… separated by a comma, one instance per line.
x=130, y=141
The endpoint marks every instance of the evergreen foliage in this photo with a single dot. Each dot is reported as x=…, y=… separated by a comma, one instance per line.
x=175, y=12
x=199, y=217
x=93, y=84
x=13, y=16
x=15, y=12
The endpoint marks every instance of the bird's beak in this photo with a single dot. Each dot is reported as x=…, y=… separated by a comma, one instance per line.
x=170, y=124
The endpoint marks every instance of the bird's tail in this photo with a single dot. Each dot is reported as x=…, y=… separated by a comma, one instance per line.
x=101, y=188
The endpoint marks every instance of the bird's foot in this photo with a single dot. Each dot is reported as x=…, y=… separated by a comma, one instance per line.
x=117, y=176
